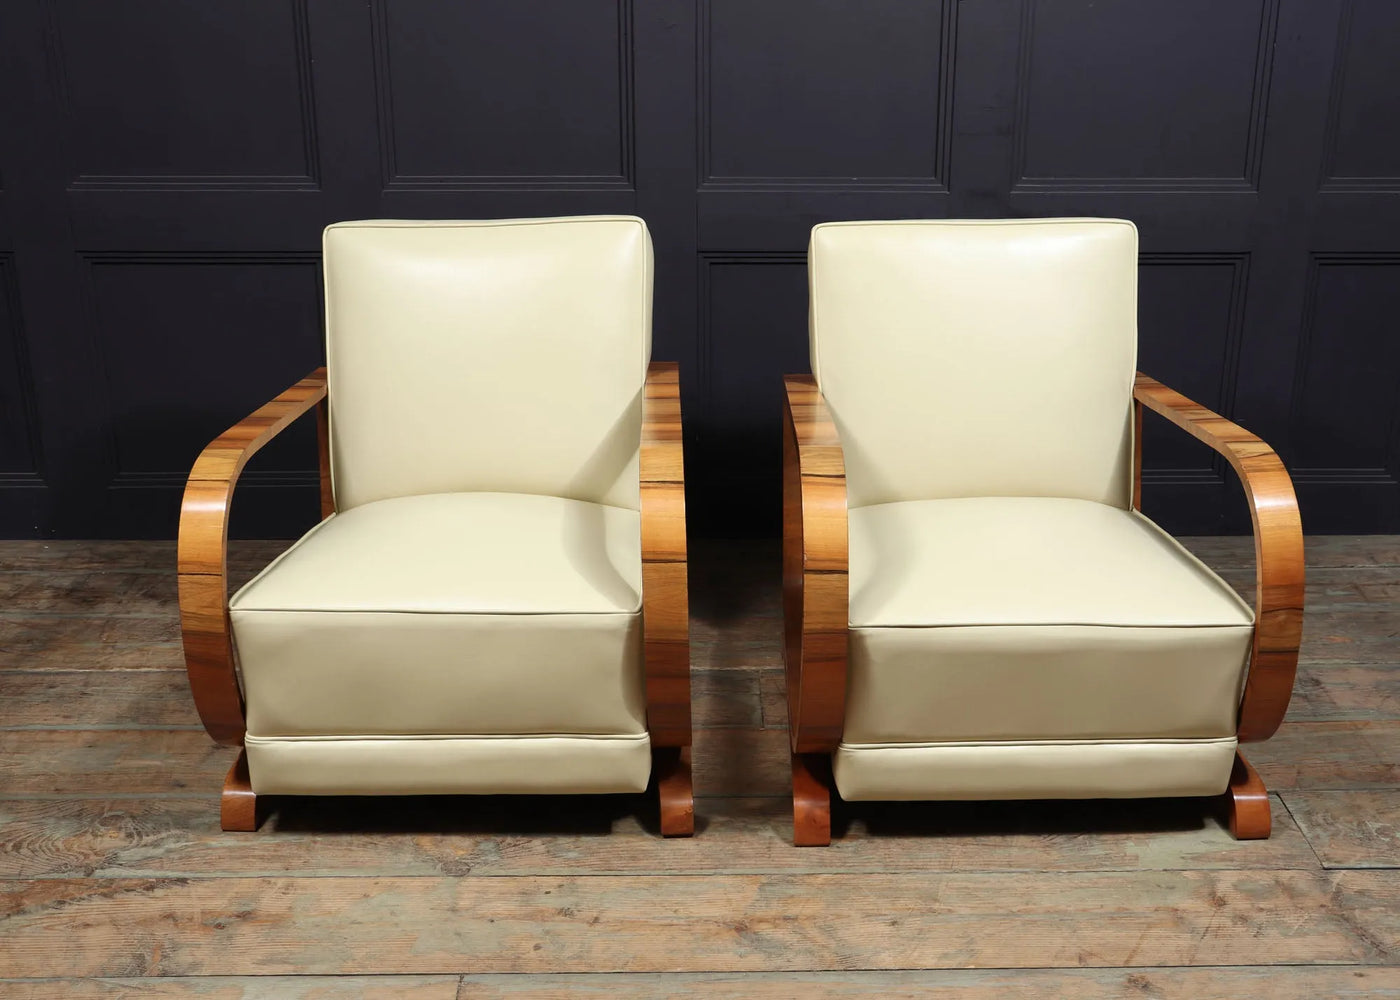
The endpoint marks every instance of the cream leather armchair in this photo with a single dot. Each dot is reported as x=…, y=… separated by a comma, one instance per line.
x=495, y=601
x=974, y=606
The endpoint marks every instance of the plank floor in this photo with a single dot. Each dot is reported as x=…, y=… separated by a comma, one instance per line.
x=115, y=880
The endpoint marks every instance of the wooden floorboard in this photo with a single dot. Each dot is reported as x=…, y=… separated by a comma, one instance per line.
x=696, y=923
x=615, y=835
x=115, y=880
x=239, y=988
x=1355, y=829
x=1347, y=982
x=1338, y=983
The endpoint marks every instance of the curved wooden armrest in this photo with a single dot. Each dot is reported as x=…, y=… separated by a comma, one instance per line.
x=665, y=600
x=1278, y=553
x=203, y=551
x=815, y=585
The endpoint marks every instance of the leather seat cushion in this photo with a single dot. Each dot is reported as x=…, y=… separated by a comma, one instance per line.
x=1078, y=769
x=425, y=765
x=1021, y=618
x=449, y=614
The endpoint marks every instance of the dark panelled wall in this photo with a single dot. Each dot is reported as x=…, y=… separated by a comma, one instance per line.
x=167, y=167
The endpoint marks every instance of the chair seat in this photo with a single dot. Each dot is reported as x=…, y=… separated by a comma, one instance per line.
x=1027, y=561
x=1029, y=619
x=460, y=553
x=464, y=614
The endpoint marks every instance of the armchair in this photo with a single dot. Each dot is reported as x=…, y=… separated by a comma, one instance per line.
x=974, y=605
x=495, y=601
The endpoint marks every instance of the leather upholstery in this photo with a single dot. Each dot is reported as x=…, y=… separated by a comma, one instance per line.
x=470, y=621
x=539, y=765
x=1106, y=769
x=503, y=356
x=1015, y=618
x=449, y=614
x=978, y=358
x=1015, y=630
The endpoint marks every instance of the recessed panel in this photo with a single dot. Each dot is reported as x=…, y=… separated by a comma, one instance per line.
x=755, y=332
x=1345, y=411
x=1139, y=89
x=1366, y=142
x=1188, y=330
x=822, y=90
x=17, y=451
x=502, y=89
x=170, y=88
x=192, y=346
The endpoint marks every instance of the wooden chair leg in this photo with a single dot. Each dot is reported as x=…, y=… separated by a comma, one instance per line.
x=811, y=800
x=671, y=765
x=1247, y=802
x=238, y=807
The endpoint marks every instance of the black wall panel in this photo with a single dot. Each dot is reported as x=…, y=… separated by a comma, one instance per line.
x=168, y=167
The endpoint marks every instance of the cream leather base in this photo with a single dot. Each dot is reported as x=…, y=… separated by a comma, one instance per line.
x=464, y=613
x=1025, y=618
x=1061, y=770
x=544, y=765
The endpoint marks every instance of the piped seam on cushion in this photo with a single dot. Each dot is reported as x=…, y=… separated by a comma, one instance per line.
x=996, y=744
x=459, y=614
x=950, y=625
x=403, y=737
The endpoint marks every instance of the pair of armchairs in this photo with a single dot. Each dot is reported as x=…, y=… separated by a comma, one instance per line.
x=495, y=600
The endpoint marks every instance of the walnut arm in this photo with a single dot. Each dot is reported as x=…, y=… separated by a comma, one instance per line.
x=665, y=595
x=815, y=585
x=1278, y=553
x=203, y=551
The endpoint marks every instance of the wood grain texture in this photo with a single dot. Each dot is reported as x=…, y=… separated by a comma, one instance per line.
x=202, y=556
x=238, y=988
x=92, y=699
x=665, y=584
x=812, y=792
x=1278, y=553
x=710, y=923
x=1350, y=829
x=614, y=835
x=330, y=837
x=1247, y=803
x=675, y=796
x=1336, y=983
x=1345, y=982
x=666, y=597
x=815, y=572
x=238, y=805
x=1336, y=755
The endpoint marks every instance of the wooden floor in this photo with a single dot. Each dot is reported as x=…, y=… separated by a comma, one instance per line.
x=116, y=880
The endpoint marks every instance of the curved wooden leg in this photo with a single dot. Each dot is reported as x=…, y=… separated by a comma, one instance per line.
x=811, y=800
x=1247, y=802
x=238, y=808
x=671, y=766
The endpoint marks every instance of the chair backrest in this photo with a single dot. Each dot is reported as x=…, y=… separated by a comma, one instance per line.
x=978, y=358
x=496, y=356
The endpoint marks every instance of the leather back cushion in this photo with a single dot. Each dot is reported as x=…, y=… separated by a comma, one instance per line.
x=978, y=358
x=501, y=356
